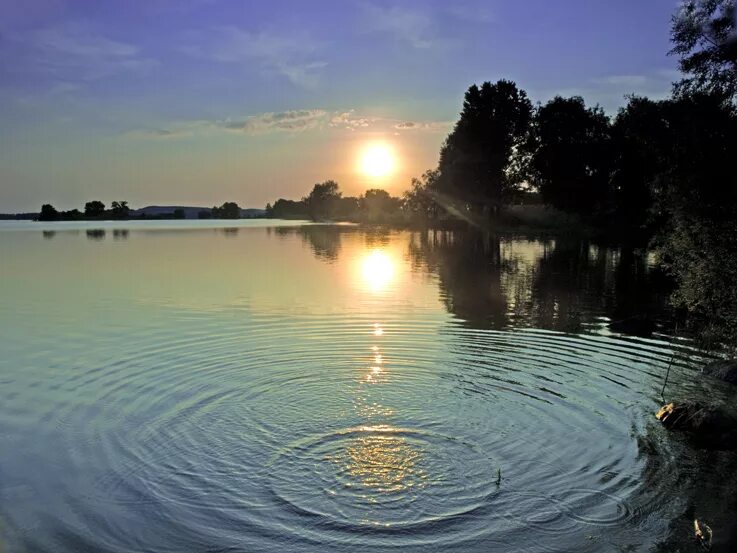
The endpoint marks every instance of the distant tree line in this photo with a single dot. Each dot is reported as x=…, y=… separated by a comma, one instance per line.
x=96, y=210
x=326, y=203
x=92, y=210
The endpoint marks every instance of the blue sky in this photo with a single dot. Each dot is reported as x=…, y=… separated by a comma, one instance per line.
x=211, y=100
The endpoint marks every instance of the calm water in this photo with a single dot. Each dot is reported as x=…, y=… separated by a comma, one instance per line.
x=195, y=387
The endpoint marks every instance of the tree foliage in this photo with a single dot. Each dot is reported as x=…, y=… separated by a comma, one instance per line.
x=480, y=159
x=94, y=209
x=704, y=37
x=48, y=213
x=119, y=210
x=229, y=210
x=570, y=155
x=322, y=201
x=639, y=138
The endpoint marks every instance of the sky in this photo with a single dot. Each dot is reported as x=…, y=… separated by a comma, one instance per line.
x=205, y=101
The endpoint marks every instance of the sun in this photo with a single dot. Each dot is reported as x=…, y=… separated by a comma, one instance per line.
x=377, y=161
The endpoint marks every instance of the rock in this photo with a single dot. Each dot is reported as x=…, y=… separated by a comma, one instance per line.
x=708, y=427
x=703, y=533
x=723, y=370
x=638, y=325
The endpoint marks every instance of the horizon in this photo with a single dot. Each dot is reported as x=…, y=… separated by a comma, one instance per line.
x=217, y=101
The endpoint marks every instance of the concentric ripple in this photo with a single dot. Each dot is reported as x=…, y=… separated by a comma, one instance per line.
x=383, y=477
x=370, y=418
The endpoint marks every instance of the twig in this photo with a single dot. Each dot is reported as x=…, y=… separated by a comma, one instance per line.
x=667, y=373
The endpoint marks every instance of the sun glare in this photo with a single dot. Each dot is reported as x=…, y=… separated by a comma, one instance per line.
x=378, y=161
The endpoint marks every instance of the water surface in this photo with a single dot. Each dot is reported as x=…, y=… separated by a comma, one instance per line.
x=259, y=386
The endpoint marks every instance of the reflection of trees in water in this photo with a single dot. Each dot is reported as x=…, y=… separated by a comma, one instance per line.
x=120, y=234
x=378, y=237
x=230, y=231
x=324, y=240
x=469, y=268
x=96, y=234
x=559, y=284
x=48, y=234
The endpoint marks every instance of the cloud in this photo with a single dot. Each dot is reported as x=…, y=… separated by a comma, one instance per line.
x=292, y=56
x=74, y=51
x=473, y=14
x=291, y=121
x=411, y=26
x=423, y=125
x=159, y=133
x=623, y=80
x=348, y=120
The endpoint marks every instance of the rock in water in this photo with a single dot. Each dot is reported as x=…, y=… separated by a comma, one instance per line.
x=707, y=426
x=723, y=370
x=703, y=533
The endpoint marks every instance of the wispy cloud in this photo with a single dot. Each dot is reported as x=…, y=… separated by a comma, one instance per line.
x=623, y=80
x=421, y=28
x=292, y=121
x=349, y=120
x=433, y=126
x=409, y=25
x=471, y=13
x=75, y=51
x=293, y=56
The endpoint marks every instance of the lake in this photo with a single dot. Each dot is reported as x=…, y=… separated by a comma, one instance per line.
x=212, y=386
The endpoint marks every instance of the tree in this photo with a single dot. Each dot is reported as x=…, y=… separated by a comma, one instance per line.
x=419, y=200
x=704, y=36
x=696, y=197
x=321, y=202
x=481, y=159
x=119, y=210
x=570, y=155
x=48, y=213
x=289, y=209
x=229, y=210
x=640, y=135
x=378, y=205
x=179, y=213
x=94, y=209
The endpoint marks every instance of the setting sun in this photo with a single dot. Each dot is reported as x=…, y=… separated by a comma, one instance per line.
x=378, y=160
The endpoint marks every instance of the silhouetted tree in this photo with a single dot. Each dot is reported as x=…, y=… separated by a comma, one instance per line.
x=289, y=209
x=571, y=156
x=696, y=196
x=94, y=209
x=179, y=213
x=229, y=210
x=378, y=205
x=640, y=134
x=48, y=213
x=119, y=210
x=421, y=201
x=322, y=201
x=481, y=159
x=704, y=36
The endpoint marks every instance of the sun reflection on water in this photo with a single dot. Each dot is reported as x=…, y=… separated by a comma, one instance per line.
x=381, y=461
x=377, y=270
